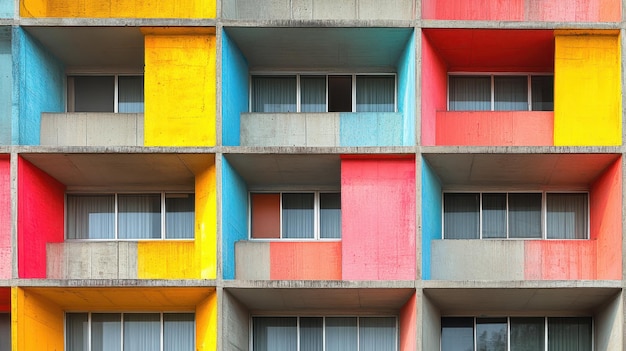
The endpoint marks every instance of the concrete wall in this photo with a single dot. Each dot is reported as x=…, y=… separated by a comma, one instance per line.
x=252, y=260
x=40, y=86
x=408, y=325
x=92, y=260
x=371, y=129
x=180, y=86
x=608, y=322
x=236, y=324
x=431, y=215
x=5, y=217
x=587, y=86
x=318, y=9
x=406, y=91
x=206, y=324
x=36, y=322
x=234, y=216
x=92, y=129
x=290, y=129
x=431, y=325
x=6, y=84
x=118, y=8
x=433, y=91
x=235, y=90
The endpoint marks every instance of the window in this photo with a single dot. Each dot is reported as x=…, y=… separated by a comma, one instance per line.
x=129, y=331
x=324, y=333
x=287, y=215
x=532, y=215
x=106, y=93
x=323, y=93
x=501, y=93
x=130, y=216
x=516, y=333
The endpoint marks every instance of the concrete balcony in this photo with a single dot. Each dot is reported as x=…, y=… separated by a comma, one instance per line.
x=92, y=129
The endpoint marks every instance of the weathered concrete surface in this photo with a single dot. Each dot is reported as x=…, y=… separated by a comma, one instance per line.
x=92, y=129
x=290, y=129
x=235, y=319
x=92, y=260
x=252, y=260
x=609, y=320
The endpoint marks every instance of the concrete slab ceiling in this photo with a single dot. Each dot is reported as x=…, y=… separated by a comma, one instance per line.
x=94, y=48
x=322, y=49
x=280, y=170
x=519, y=170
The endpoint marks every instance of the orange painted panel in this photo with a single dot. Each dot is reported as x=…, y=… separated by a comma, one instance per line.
x=305, y=260
x=560, y=260
x=265, y=216
x=408, y=325
x=574, y=10
x=495, y=128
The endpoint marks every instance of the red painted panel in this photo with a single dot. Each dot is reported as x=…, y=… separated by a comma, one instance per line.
x=574, y=10
x=434, y=89
x=510, y=10
x=606, y=221
x=496, y=128
x=40, y=218
x=378, y=219
x=5, y=299
x=265, y=216
x=560, y=260
x=305, y=260
x=5, y=217
x=408, y=321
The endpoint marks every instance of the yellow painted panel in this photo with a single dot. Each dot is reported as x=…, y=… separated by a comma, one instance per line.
x=180, y=88
x=167, y=260
x=587, y=89
x=206, y=222
x=206, y=324
x=36, y=322
x=118, y=8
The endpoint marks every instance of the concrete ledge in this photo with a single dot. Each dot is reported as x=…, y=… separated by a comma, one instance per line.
x=252, y=260
x=92, y=129
x=92, y=260
x=290, y=129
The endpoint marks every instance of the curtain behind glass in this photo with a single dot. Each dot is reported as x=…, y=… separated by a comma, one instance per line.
x=274, y=334
x=311, y=334
x=566, y=216
x=542, y=90
x=527, y=334
x=525, y=215
x=377, y=333
x=130, y=94
x=178, y=332
x=298, y=215
x=139, y=216
x=312, y=93
x=375, y=93
x=274, y=94
x=330, y=215
x=457, y=334
x=106, y=332
x=90, y=217
x=341, y=334
x=569, y=334
x=460, y=216
x=491, y=334
x=510, y=93
x=93, y=93
x=142, y=331
x=469, y=93
x=494, y=216
x=76, y=332
x=5, y=332
x=179, y=216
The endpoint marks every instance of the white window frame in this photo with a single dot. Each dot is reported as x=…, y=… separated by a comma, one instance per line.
x=70, y=91
x=544, y=212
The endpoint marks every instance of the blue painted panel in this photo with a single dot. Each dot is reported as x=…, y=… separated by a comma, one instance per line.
x=234, y=216
x=370, y=129
x=406, y=91
x=234, y=90
x=40, y=86
x=431, y=214
x=6, y=86
x=7, y=8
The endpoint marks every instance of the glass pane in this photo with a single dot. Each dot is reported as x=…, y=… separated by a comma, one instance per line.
x=130, y=94
x=139, y=216
x=375, y=93
x=339, y=93
x=90, y=216
x=274, y=334
x=377, y=333
x=567, y=216
x=460, y=216
x=311, y=334
x=298, y=215
x=179, y=332
x=313, y=93
x=494, y=216
x=106, y=332
x=527, y=334
x=330, y=215
x=179, y=216
x=76, y=332
x=470, y=93
x=542, y=88
x=94, y=93
x=274, y=94
x=457, y=334
x=525, y=215
x=510, y=93
x=341, y=334
x=142, y=331
x=569, y=334
x=5, y=332
x=491, y=334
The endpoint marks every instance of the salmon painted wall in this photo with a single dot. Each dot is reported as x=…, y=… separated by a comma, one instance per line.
x=434, y=89
x=36, y=322
x=408, y=325
x=378, y=218
x=5, y=217
x=206, y=324
x=40, y=218
x=180, y=87
x=587, y=88
x=305, y=260
x=560, y=260
x=118, y=8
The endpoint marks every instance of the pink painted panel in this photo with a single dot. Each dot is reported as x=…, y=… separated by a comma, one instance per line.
x=574, y=10
x=605, y=221
x=495, y=128
x=510, y=10
x=434, y=89
x=408, y=321
x=560, y=260
x=40, y=218
x=305, y=260
x=378, y=218
x=5, y=217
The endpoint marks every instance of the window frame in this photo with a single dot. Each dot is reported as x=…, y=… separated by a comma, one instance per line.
x=163, y=196
x=71, y=96
x=544, y=212
x=326, y=74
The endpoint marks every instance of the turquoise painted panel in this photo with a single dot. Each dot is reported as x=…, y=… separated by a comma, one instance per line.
x=406, y=91
x=370, y=129
x=431, y=214
x=234, y=216
x=234, y=90
x=7, y=8
x=39, y=88
x=6, y=86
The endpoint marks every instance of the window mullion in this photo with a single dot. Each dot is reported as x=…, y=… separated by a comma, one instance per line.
x=116, y=212
x=353, y=92
x=358, y=333
x=480, y=215
x=298, y=333
x=116, y=93
x=163, y=215
x=508, y=333
x=280, y=196
x=162, y=346
x=545, y=338
x=122, y=333
x=298, y=92
x=326, y=93
x=316, y=216
x=530, y=97
x=88, y=331
x=544, y=216
x=474, y=331
x=493, y=97
x=506, y=195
